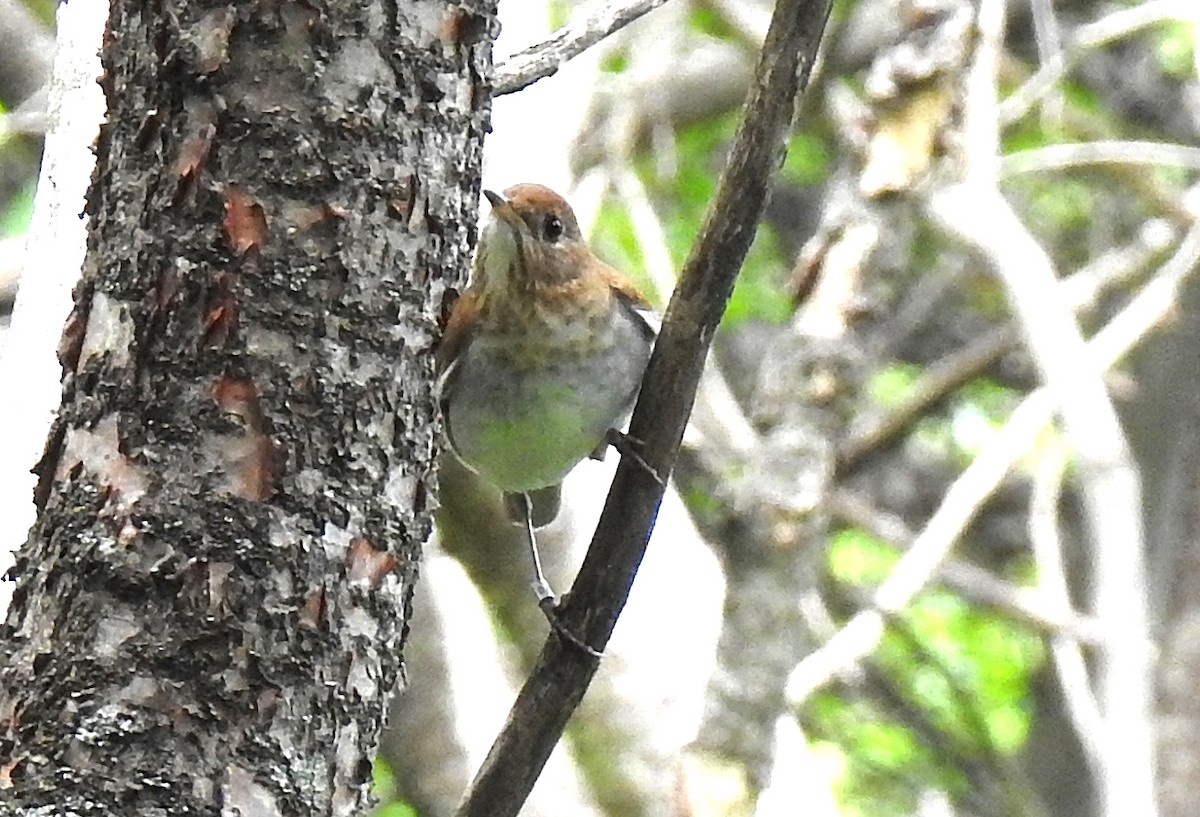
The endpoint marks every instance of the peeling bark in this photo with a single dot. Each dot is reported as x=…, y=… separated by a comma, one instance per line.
x=211, y=607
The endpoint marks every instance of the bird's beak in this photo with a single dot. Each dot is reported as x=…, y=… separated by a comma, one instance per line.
x=501, y=208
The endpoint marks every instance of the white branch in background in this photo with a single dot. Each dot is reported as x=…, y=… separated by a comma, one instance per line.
x=1112, y=152
x=976, y=584
x=1081, y=704
x=540, y=61
x=1048, y=33
x=54, y=253
x=648, y=229
x=915, y=569
x=1107, y=476
x=1111, y=27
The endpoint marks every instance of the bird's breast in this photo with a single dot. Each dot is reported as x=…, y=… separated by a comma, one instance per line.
x=524, y=407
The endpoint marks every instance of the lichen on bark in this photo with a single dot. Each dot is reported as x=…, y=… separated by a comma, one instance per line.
x=211, y=608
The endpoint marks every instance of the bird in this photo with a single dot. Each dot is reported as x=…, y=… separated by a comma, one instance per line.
x=541, y=358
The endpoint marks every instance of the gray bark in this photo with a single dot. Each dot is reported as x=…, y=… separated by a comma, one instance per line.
x=211, y=607
x=1164, y=423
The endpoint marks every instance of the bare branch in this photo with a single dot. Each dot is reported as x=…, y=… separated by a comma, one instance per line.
x=1082, y=290
x=917, y=567
x=563, y=673
x=1048, y=33
x=1081, y=704
x=544, y=59
x=861, y=634
x=1108, y=479
x=937, y=383
x=976, y=584
x=1111, y=152
x=1107, y=29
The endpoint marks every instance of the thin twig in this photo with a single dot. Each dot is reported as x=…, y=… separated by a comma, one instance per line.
x=937, y=383
x=544, y=59
x=562, y=674
x=1073, y=675
x=1107, y=29
x=1100, y=152
x=1048, y=33
x=1082, y=290
x=1106, y=474
x=972, y=582
x=959, y=505
x=920, y=563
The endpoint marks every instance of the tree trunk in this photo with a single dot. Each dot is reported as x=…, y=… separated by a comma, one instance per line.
x=211, y=607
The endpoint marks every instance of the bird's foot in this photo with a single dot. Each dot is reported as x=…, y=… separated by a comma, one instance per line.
x=549, y=607
x=628, y=446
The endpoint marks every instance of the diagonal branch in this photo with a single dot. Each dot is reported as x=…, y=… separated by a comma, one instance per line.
x=860, y=636
x=1113, y=26
x=562, y=674
x=1101, y=151
x=544, y=59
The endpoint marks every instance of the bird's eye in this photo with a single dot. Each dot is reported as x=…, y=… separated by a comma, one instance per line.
x=552, y=228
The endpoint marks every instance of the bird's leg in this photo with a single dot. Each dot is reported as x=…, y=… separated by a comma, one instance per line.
x=628, y=446
x=541, y=588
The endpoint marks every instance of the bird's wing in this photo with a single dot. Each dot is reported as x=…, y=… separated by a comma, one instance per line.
x=630, y=297
x=459, y=331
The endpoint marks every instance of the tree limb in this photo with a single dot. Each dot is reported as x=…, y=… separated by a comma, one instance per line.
x=563, y=673
x=544, y=59
x=858, y=637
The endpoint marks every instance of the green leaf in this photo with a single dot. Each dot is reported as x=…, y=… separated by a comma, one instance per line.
x=807, y=161
x=15, y=220
x=1176, y=48
x=857, y=558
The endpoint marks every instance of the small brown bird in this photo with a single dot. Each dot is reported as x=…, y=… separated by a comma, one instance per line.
x=542, y=356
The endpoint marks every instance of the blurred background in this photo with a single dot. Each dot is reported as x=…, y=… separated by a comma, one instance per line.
x=26, y=57
x=887, y=580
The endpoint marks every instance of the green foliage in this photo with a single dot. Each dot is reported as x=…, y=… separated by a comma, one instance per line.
x=707, y=21
x=614, y=62
x=961, y=673
x=1175, y=48
x=15, y=218
x=853, y=557
x=971, y=417
x=560, y=13
x=613, y=239
x=881, y=764
x=383, y=783
x=977, y=684
x=683, y=200
x=890, y=385
x=807, y=161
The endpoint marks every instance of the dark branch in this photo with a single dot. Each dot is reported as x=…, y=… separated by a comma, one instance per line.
x=562, y=674
x=939, y=381
x=544, y=59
